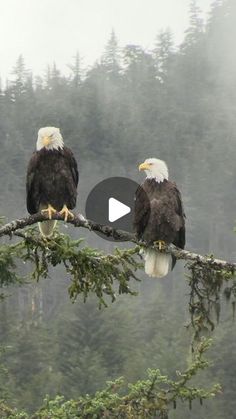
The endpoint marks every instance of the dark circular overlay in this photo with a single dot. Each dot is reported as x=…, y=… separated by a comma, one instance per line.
x=97, y=205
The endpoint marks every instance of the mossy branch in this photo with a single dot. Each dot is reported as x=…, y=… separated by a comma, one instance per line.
x=119, y=235
x=106, y=275
x=88, y=270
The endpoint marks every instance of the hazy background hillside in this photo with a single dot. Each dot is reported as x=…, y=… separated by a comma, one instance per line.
x=177, y=104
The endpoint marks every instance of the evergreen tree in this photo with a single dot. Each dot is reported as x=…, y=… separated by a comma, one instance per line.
x=194, y=33
x=20, y=74
x=111, y=57
x=163, y=53
x=76, y=70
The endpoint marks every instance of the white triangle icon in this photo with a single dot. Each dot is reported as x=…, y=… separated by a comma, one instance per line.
x=117, y=209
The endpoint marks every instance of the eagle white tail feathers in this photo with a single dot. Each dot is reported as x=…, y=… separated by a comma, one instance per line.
x=156, y=263
x=46, y=227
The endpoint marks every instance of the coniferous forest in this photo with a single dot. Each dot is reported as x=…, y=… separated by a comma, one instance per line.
x=174, y=103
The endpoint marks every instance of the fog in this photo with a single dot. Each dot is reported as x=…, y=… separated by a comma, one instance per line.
x=51, y=30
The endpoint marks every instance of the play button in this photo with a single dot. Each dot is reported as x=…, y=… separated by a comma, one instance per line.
x=111, y=202
x=117, y=210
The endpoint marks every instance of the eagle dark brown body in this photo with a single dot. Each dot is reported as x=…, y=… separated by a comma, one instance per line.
x=52, y=178
x=159, y=214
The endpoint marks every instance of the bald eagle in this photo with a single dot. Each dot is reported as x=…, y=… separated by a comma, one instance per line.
x=52, y=179
x=158, y=216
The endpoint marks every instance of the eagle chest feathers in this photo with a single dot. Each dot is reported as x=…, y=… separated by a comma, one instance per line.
x=52, y=179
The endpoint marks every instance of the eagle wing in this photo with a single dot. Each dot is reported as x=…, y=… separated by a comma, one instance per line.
x=180, y=237
x=73, y=165
x=141, y=211
x=32, y=198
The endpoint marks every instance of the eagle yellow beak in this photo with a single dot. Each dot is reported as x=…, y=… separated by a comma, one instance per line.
x=46, y=141
x=144, y=166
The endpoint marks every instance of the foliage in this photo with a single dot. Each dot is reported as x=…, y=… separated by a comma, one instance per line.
x=145, y=399
x=93, y=272
x=8, y=255
x=207, y=284
x=90, y=270
x=3, y=375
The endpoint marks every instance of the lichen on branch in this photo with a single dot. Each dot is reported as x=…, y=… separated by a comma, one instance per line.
x=91, y=271
x=120, y=235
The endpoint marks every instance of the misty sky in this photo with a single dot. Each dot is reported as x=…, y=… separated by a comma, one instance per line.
x=53, y=30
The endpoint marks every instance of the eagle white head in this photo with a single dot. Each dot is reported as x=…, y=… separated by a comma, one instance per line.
x=155, y=169
x=49, y=138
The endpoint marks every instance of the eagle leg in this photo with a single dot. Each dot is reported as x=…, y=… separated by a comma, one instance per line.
x=67, y=214
x=160, y=244
x=49, y=211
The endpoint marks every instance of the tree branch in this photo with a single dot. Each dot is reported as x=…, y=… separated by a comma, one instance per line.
x=119, y=235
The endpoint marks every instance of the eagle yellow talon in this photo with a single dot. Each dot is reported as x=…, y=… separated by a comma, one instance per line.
x=67, y=213
x=49, y=211
x=160, y=244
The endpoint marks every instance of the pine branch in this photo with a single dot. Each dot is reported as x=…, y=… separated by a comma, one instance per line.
x=106, y=275
x=156, y=396
x=119, y=235
x=92, y=271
